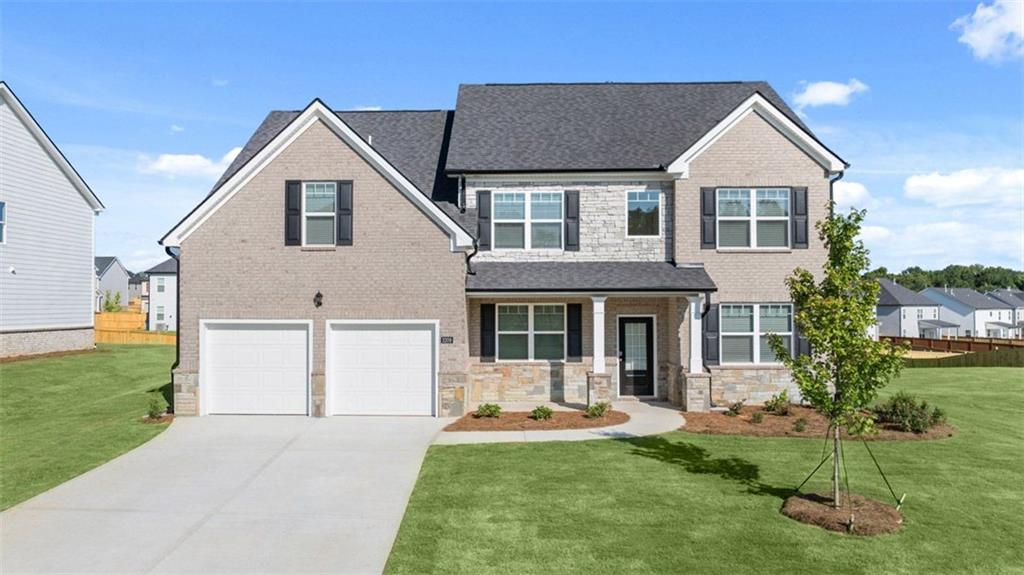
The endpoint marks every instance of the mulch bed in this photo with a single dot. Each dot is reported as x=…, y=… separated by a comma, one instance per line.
x=772, y=425
x=521, y=421
x=870, y=517
x=165, y=418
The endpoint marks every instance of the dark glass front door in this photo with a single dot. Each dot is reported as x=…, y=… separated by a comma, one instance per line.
x=636, y=356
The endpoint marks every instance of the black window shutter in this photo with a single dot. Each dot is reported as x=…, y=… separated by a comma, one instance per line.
x=711, y=336
x=572, y=221
x=483, y=221
x=488, y=327
x=293, y=213
x=707, y=219
x=574, y=325
x=343, y=207
x=799, y=218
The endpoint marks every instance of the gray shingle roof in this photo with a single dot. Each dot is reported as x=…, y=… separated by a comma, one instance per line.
x=102, y=263
x=168, y=266
x=892, y=293
x=586, y=276
x=1014, y=298
x=609, y=126
x=972, y=298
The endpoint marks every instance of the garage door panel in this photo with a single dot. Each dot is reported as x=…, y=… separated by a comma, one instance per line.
x=256, y=369
x=382, y=369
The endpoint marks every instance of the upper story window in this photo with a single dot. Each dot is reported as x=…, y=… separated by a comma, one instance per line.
x=528, y=220
x=531, y=332
x=318, y=213
x=753, y=217
x=3, y=222
x=160, y=285
x=920, y=313
x=745, y=330
x=643, y=213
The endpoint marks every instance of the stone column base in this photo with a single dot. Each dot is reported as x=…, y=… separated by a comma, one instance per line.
x=696, y=391
x=318, y=399
x=599, y=387
x=186, y=393
x=453, y=392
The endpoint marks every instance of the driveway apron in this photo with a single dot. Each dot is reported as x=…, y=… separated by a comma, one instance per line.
x=230, y=494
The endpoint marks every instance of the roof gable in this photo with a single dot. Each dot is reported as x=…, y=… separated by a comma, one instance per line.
x=168, y=266
x=968, y=297
x=51, y=149
x=271, y=139
x=892, y=293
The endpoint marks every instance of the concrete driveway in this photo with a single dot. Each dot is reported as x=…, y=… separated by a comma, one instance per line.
x=230, y=494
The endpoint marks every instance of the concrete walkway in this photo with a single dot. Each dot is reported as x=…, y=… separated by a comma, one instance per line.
x=230, y=495
x=644, y=419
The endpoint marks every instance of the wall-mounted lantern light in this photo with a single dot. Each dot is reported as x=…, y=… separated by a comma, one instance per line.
x=318, y=299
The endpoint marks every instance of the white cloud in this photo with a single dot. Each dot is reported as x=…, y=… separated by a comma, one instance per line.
x=966, y=187
x=871, y=234
x=994, y=32
x=218, y=82
x=828, y=93
x=186, y=165
x=176, y=129
x=852, y=195
x=367, y=109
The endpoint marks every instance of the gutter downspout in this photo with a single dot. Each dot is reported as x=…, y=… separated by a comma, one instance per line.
x=469, y=256
x=831, y=197
x=176, y=254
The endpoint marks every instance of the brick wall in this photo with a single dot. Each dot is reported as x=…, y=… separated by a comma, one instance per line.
x=48, y=341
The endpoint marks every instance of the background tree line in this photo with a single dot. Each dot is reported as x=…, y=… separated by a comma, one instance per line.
x=977, y=276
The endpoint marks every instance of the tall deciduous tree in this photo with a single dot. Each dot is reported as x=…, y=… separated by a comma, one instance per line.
x=846, y=367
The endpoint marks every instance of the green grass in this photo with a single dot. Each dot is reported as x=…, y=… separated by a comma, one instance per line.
x=62, y=416
x=689, y=503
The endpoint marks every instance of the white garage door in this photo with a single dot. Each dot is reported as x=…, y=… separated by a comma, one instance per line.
x=255, y=368
x=381, y=369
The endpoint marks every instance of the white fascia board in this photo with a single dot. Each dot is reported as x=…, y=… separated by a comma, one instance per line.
x=758, y=104
x=50, y=148
x=317, y=111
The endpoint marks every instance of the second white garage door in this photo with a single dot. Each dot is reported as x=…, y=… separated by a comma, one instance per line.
x=381, y=368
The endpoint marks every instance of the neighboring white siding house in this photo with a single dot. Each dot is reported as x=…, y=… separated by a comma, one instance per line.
x=46, y=249
x=163, y=296
x=977, y=314
x=905, y=313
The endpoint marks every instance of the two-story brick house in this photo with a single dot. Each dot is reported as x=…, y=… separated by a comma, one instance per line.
x=541, y=242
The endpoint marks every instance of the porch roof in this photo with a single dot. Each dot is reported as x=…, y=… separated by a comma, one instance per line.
x=999, y=325
x=596, y=277
x=937, y=323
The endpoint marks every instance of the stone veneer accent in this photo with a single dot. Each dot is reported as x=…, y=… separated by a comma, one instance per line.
x=750, y=385
x=602, y=222
x=453, y=400
x=599, y=388
x=561, y=382
x=695, y=391
x=49, y=341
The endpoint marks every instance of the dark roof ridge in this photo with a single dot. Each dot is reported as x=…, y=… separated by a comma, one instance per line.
x=617, y=83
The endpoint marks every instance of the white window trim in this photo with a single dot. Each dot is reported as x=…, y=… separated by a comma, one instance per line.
x=530, y=332
x=756, y=334
x=3, y=224
x=527, y=222
x=160, y=285
x=323, y=215
x=753, y=218
x=661, y=215
x=160, y=313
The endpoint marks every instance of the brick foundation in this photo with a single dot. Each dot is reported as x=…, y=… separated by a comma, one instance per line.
x=35, y=342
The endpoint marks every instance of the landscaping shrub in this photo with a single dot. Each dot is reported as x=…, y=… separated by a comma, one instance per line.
x=778, y=404
x=906, y=413
x=156, y=408
x=800, y=425
x=542, y=412
x=735, y=408
x=488, y=410
x=598, y=409
x=758, y=417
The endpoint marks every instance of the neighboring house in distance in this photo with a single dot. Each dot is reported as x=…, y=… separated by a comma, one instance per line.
x=138, y=289
x=47, y=219
x=905, y=313
x=163, y=296
x=111, y=278
x=541, y=242
x=1014, y=299
x=977, y=314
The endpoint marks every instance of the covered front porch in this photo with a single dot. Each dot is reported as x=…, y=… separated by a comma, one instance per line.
x=583, y=332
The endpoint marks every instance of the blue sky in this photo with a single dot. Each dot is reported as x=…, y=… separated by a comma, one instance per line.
x=926, y=100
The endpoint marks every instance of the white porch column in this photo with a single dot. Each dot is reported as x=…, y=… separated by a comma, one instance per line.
x=696, y=360
x=599, y=366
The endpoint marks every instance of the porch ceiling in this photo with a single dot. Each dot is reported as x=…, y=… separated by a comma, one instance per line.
x=596, y=277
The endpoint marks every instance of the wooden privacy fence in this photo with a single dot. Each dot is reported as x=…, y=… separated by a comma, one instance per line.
x=135, y=336
x=129, y=327
x=954, y=345
x=1005, y=357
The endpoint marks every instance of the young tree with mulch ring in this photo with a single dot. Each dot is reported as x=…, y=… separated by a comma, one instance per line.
x=846, y=367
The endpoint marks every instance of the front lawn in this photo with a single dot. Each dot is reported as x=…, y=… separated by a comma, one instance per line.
x=61, y=416
x=692, y=503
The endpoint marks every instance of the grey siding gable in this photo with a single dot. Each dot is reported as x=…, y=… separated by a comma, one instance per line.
x=116, y=281
x=49, y=240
